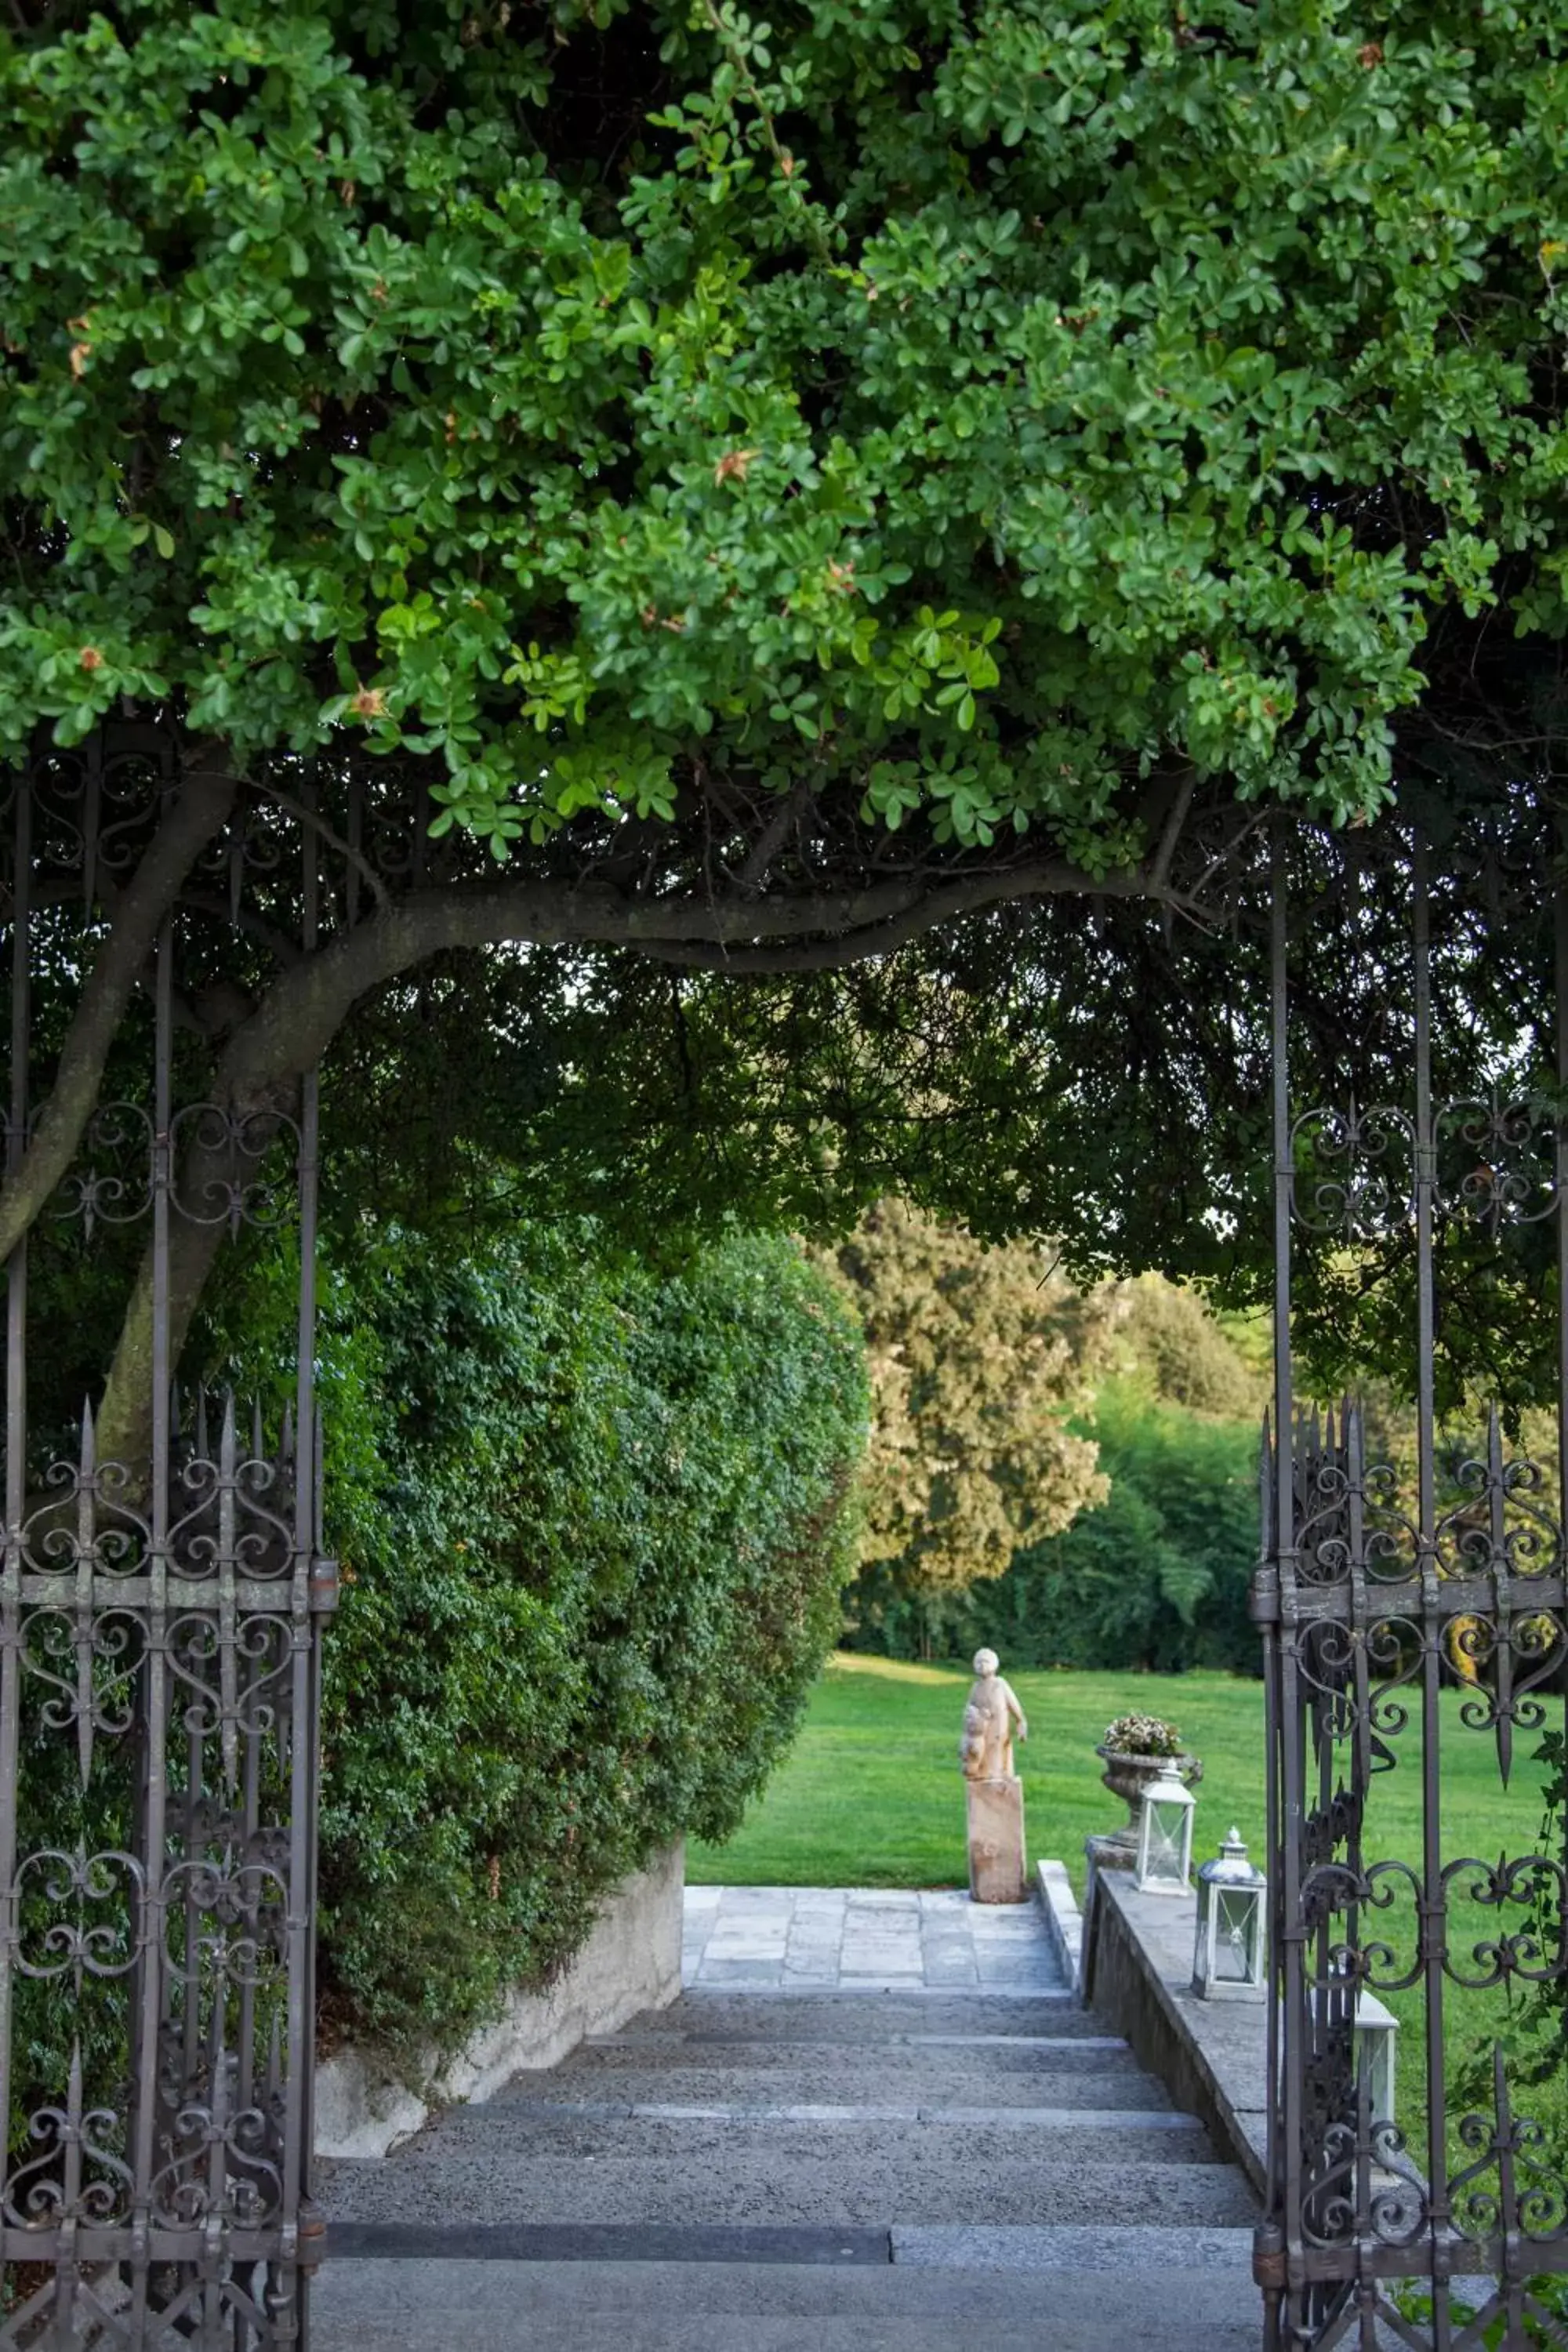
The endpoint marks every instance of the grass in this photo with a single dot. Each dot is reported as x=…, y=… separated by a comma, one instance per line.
x=871, y=1795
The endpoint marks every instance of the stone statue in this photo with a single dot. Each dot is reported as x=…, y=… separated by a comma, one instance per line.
x=993, y=1792
x=986, y=1750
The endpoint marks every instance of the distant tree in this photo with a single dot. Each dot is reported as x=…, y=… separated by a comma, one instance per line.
x=1158, y=1577
x=977, y=1357
x=1188, y=1356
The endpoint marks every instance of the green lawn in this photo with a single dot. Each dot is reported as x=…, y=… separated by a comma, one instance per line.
x=871, y=1795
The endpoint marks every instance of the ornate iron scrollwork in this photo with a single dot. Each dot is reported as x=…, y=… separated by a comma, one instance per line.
x=160, y=1624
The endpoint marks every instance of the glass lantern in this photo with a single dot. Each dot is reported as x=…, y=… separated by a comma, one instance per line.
x=1165, y=1835
x=1230, y=1956
x=1377, y=2042
x=1374, y=2045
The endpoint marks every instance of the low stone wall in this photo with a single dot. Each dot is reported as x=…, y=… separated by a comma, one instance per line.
x=1064, y=1921
x=629, y=1963
x=1210, y=2055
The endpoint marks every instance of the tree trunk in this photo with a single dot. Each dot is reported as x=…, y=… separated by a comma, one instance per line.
x=201, y=1183
x=199, y=813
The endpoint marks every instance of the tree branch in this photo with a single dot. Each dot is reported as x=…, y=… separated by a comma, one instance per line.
x=201, y=811
x=1171, y=831
x=807, y=931
x=774, y=834
x=317, y=824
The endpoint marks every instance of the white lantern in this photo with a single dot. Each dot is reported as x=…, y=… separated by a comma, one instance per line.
x=1375, y=2048
x=1165, y=1835
x=1377, y=2035
x=1230, y=1954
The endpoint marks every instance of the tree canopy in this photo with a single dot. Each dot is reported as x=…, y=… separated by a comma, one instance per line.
x=920, y=477
x=1188, y=1359
x=956, y=420
x=1155, y=1578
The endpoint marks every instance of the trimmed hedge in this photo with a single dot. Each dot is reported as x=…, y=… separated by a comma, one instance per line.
x=595, y=1524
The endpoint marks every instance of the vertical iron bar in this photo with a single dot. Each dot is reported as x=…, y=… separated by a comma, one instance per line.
x=16, y=1439
x=247, y=1802
x=189, y=1814
x=92, y=817
x=357, y=838
x=1560, y=1211
x=1326, y=1984
x=1432, y=1900
x=151, y=1941
x=299, y=2135
x=1287, y=2103
x=1559, y=1170
x=421, y=832
x=1272, y=2219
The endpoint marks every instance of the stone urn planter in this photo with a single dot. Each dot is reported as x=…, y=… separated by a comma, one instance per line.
x=1127, y=1777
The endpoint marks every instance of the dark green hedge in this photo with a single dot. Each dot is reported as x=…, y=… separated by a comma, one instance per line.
x=1155, y=1578
x=595, y=1525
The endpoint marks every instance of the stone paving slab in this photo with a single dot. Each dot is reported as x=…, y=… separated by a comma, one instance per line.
x=756, y=1976
x=832, y=1939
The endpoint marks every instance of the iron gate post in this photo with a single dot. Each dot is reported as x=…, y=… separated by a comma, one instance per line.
x=1387, y=1619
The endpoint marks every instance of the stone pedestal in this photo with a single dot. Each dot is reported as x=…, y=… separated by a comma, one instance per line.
x=996, y=1841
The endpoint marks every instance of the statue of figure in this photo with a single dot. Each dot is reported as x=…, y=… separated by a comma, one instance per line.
x=986, y=1750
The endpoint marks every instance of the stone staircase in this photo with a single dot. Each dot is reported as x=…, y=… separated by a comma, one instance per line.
x=842, y=2153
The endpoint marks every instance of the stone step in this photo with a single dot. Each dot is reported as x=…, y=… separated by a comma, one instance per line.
x=988, y=2078
x=565, y=2249
x=922, y=1980
x=596, y=2127
x=836, y=2175
x=875, y=2165
x=650, y=2306
x=862, y=2017
x=703, y=2046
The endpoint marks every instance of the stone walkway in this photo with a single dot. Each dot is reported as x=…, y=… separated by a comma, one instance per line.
x=846, y=1939
x=871, y=2123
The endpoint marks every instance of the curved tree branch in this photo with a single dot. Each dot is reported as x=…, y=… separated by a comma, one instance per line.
x=307, y=1003
x=805, y=931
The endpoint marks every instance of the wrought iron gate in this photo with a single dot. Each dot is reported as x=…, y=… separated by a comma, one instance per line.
x=159, y=1635
x=1403, y=1616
